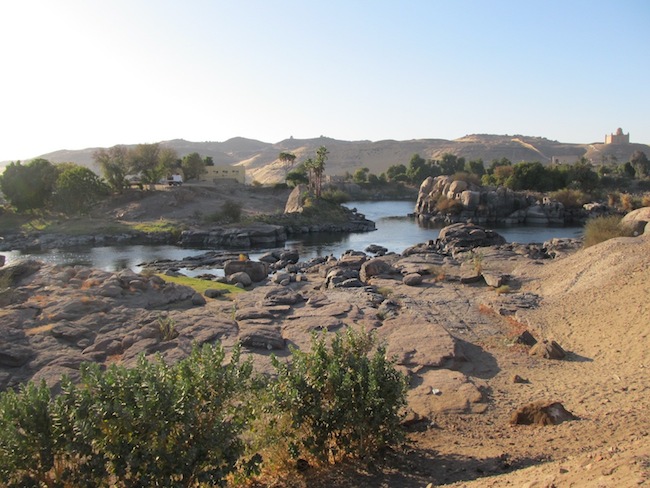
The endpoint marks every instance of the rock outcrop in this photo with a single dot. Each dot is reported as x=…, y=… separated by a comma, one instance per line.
x=445, y=200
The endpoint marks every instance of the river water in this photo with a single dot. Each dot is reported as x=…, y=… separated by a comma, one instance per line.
x=395, y=231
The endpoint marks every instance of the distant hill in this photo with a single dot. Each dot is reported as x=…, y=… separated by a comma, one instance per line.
x=261, y=163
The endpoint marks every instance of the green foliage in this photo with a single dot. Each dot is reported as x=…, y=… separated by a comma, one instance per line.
x=641, y=164
x=26, y=436
x=114, y=165
x=167, y=327
x=394, y=170
x=231, y=211
x=189, y=424
x=297, y=176
x=152, y=425
x=151, y=162
x=193, y=166
x=288, y=160
x=343, y=400
x=200, y=285
x=450, y=164
x=77, y=189
x=29, y=186
x=600, y=229
x=361, y=175
x=335, y=195
x=160, y=226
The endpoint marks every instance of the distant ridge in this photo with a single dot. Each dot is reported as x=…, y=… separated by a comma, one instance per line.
x=261, y=163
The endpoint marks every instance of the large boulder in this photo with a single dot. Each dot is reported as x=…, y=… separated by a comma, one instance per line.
x=462, y=237
x=295, y=201
x=637, y=220
x=256, y=270
x=375, y=267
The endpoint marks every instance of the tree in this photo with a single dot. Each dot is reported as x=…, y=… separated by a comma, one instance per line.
x=361, y=175
x=417, y=168
x=475, y=167
x=208, y=161
x=114, y=165
x=450, y=164
x=151, y=161
x=30, y=186
x=288, y=160
x=77, y=189
x=640, y=163
x=193, y=166
x=316, y=170
x=583, y=176
x=394, y=170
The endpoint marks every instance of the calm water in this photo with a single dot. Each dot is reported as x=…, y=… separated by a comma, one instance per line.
x=394, y=231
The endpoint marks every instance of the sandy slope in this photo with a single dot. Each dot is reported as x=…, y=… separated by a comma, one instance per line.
x=596, y=304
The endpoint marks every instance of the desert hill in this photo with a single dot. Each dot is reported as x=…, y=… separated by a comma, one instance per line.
x=261, y=158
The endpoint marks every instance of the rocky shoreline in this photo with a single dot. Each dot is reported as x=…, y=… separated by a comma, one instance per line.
x=443, y=200
x=222, y=237
x=56, y=317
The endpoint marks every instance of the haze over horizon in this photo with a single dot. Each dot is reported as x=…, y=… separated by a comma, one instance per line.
x=81, y=74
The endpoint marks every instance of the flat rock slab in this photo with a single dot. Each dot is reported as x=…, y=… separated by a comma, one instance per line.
x=329, y=310
x=298, y=332
x=417, y=343
x=444, y=391
x=267, y=337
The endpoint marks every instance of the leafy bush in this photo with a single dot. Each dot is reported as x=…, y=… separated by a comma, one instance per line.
x=231, y=211
x=570, y=198
x=335, y=195
x=153, y=425
x=342, y=400
x=190, y=424
x=600, y=229
x=26, y=437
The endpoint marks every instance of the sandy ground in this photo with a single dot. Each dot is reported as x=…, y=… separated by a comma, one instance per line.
x=596, y=304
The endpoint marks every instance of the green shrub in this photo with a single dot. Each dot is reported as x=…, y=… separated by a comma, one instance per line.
x=152, y=425
x=26, y=437
x=231, y=211
x=600, y=229
x=336, y=196
x=343, y=400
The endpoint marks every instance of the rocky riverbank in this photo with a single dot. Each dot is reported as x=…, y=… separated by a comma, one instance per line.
x=233, y=236
x=444, y=200
x=458, y=314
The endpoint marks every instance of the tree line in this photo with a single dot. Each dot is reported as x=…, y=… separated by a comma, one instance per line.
x=73, y=189
x=524, y=175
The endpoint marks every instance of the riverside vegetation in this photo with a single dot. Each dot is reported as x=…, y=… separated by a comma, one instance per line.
x=106, y=428
x=203, y=420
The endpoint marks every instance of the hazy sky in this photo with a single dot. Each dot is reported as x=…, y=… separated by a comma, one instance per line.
x=88, y=73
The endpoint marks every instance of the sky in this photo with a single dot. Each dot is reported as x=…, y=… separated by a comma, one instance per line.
x=76, y=74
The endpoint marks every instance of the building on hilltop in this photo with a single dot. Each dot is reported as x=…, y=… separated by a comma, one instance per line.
x=618, y=138
x=224, y=172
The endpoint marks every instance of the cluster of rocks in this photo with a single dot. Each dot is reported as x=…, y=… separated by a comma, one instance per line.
x=493, y=205
x=55, y=318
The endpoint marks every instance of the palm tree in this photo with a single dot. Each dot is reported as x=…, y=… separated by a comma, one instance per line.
x=287, y=159
x=319, y=169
